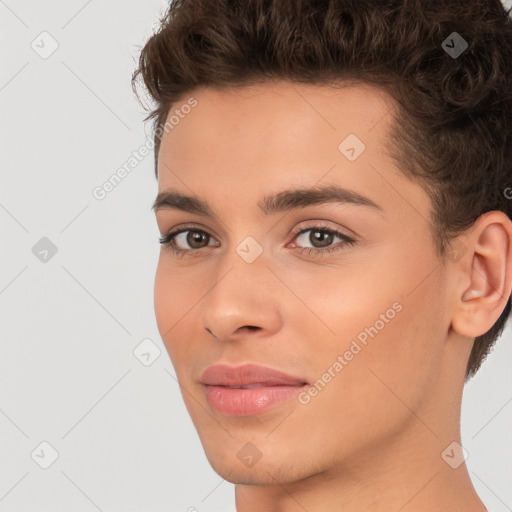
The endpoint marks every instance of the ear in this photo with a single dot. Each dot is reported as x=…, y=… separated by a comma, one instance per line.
x=485, y=270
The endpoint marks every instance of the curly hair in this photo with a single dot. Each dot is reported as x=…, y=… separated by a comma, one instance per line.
x=453, y=127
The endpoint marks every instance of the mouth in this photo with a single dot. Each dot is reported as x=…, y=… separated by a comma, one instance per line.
x=248, y=389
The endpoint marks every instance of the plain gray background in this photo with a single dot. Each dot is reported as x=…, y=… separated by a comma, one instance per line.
x=72, y=320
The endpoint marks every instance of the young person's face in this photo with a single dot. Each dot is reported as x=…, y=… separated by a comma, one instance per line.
x=369, y=320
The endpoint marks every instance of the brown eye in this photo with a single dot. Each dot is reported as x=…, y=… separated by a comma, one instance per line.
x=322, y=237
x=187, y=240
x=196, y=239
x=319, y=237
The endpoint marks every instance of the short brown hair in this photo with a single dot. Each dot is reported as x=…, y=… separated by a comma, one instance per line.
x=453, y=129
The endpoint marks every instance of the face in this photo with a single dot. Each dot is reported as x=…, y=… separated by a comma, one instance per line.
x=346, y=295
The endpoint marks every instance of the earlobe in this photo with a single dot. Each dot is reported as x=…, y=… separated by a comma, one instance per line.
x=488, y=268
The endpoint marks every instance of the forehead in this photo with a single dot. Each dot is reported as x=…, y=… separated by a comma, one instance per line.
x=255, y=140
x=280, y=106
x=274, y=120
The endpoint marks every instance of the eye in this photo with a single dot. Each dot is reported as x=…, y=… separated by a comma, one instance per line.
x=190, y=240
x=194, y=238
x=321, y=236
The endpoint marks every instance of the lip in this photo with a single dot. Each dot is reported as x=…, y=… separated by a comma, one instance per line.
x=268, y=387
x=247, y=374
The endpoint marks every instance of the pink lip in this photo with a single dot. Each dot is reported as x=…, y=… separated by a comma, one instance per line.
x=268, y=388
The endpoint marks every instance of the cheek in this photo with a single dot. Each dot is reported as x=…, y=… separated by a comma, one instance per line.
x=389, y=329
x=172, y=300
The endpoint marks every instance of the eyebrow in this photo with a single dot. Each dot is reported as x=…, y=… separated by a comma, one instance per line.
x=281, y=202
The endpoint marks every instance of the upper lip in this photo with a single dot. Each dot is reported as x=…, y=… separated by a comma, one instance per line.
x=225, y=375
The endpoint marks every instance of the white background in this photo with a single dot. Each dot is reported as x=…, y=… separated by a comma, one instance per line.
x=69, y=326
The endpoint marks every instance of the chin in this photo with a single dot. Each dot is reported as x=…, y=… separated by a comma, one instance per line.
x=244, y=476
x=270, y=469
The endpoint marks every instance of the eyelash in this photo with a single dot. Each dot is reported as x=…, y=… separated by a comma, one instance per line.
x=167, y=240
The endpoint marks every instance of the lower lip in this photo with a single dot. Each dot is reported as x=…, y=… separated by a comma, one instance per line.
x=246, y=402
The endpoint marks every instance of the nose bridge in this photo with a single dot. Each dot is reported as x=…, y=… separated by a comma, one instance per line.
x=246, y=257
x=243, y=293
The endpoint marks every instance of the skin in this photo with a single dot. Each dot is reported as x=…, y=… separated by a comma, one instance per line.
x=372, y=438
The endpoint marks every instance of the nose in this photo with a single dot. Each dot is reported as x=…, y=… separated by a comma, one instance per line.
x=244, y=301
